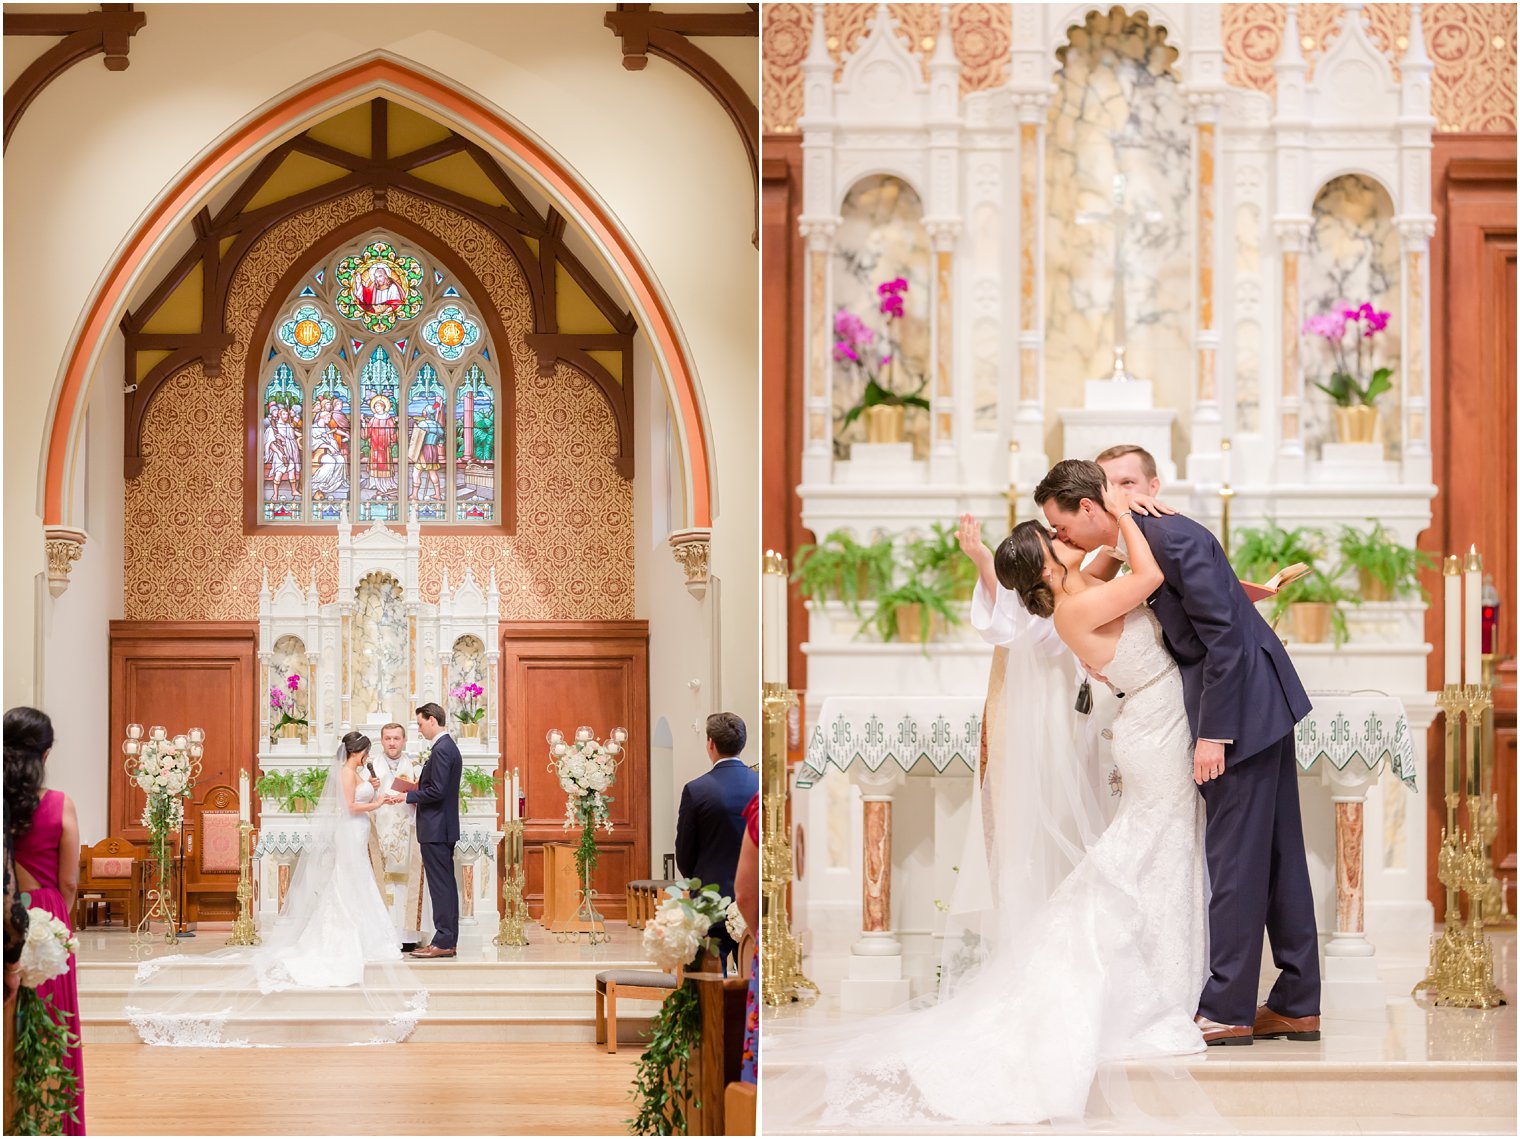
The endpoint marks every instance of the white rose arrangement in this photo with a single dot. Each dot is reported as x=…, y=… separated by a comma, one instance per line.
x=586, y=767
x=734, y=920
x=46, y=951
x=163, y=771
x=680, y=926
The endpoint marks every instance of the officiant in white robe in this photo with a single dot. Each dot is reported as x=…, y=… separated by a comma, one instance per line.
x=394, y=832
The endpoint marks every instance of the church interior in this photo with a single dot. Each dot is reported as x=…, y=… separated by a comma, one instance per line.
x=371, y=357
x=999, y=236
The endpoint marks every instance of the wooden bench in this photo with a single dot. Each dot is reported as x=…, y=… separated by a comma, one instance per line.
x=109, y=877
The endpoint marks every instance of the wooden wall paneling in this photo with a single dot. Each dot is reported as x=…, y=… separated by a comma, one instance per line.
x=564, y=674
x=183, y=675
x=1473, y=366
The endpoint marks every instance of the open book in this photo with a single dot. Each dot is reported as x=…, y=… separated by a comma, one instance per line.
x=1282, y=577
x=402, y=786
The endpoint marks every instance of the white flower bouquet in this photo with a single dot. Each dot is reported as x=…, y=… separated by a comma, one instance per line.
x=46, y=951
x=734, y=920
x=681, y=924
x=162, y=770
x=586, y=768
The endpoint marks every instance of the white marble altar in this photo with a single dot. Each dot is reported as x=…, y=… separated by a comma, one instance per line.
x=369, y=657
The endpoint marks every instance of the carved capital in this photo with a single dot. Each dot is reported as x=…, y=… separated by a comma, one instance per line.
x=64, y=545
x=692, y=549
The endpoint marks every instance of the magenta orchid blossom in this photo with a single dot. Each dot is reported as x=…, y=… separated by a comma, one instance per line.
x=855, y=343
x=1345, y=386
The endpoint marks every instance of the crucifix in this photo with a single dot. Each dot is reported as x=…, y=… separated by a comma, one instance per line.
x=1120, y=217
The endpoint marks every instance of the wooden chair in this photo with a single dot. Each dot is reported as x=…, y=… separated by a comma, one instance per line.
x=211, y=863
x=633, y=985
x=644, y=896
x=108, y=877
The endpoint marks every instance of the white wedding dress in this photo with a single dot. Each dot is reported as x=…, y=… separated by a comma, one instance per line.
x=329, y=968
x=1108, y=967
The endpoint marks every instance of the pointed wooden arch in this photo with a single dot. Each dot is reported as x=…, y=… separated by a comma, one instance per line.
x=380, y=74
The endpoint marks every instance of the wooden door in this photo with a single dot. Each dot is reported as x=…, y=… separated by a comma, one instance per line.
x=564, y=674
x=184, y=675
x=1472, y=414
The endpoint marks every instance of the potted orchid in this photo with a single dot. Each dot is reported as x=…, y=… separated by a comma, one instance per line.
x=1356, y=415
x=856, y=348
x=284, y=700
x=468, y=711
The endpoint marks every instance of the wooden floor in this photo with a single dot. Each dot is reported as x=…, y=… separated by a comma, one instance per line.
x=470, y=1089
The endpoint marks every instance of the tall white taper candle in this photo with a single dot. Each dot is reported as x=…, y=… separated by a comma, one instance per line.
x=1452, y=620
x=245, y=808
x=1472, y=618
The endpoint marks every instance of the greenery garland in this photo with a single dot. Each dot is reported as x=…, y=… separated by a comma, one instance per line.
x=43, y=1087
x=662, y=1082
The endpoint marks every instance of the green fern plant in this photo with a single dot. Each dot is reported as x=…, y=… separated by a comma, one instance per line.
x=934, y=599
x=1259, y=552
x=1318, y=589
x=839, y=566
x=1375, y=555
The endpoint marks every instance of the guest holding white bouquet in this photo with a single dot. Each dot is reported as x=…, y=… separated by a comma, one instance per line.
x=45, y=831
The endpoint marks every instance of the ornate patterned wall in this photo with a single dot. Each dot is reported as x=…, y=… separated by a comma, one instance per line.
x=1472, y=45
x=189, y=560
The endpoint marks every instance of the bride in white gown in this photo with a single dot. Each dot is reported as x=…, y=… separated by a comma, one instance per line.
x=1089, y=943
x=333, y=956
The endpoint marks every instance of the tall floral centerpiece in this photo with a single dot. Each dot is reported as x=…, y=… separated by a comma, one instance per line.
x=870, y=356
x=283, y=703
x=1356, y=415
x=467, y=708
x=165, y=769
x=672, y=940
x=586, y=769
x=43, y=1087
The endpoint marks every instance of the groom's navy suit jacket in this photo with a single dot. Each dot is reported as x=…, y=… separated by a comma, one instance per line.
x=1237, y=681
x=437, y=794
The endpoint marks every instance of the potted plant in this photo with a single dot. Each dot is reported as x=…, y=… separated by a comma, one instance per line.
x=938, y=559
x=475, y=784
x=276, y=785
x=916, y=610
x=283, y=699
x=844, y=568
x=855, y=348
x=1314, y=607
x=1356, y=415
x=1386, y=569
x=465, y=697
x=1259, y=552
x=307, y=790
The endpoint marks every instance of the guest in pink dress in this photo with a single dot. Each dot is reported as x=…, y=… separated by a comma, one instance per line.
x=45, y=832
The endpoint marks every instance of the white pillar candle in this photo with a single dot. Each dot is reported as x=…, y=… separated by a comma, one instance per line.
x=772, y=622
x=245, y=811
x=1472, y=614
x=1224, y=462
x=1013, y=462
x=1452, y=621
x=516, y=795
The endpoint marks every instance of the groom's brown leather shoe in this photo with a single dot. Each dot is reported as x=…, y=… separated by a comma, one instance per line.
x=1274, y=1026
x=432, y=951
x=1215, y=1033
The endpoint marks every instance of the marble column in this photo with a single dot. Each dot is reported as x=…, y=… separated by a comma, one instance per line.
x=1414, y=242
x=1029, y=420
x=1292, y=234
x=874, y=980
x=1291, y=127
x=818, y=449
x=943, y=234
x=1206, y=425
x=1350, y=979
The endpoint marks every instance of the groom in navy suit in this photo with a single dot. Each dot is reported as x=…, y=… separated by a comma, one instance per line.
x=437, y=800
x=1243, y=699
x=710, y=824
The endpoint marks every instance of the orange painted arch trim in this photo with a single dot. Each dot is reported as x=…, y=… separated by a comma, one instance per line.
x=372, y=74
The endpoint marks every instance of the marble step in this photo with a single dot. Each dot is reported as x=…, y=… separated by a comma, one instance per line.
x=198, y=972
x=484, y=1027
x=442, y=997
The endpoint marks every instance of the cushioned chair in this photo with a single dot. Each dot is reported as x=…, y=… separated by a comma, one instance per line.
x=108, y=879
x=644, y=896
x=633, y=985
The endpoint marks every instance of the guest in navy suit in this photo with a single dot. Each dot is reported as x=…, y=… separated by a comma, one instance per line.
x=1243, y=699
x=710, y=825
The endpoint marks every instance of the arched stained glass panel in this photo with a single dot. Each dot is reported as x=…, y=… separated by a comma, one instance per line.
x=426, y=452
x=376, y=399
x=379, y=466
x=331, y=440
x=475, y=448
x=280, y=447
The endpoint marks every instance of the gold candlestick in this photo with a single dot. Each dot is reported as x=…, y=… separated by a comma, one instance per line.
x=514, y=910
x=1461, y=973
x=781, y=978
x=244, y=932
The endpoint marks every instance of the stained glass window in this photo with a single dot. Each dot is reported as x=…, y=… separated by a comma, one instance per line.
x=377, y=400
x=475, y=448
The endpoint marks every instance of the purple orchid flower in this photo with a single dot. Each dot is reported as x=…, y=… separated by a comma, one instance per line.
x=294, y=682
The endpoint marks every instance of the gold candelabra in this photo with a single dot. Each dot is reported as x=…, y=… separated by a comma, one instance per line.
x=1461, y=971
x=514, y=909
x=165, y=769
x=781, y=978
x=244, y=932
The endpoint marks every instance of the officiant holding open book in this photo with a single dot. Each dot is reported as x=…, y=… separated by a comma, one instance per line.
x=395, y=838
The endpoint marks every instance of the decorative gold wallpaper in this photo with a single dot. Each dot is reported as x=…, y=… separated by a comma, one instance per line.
x=1472, y=45
x=188, y=559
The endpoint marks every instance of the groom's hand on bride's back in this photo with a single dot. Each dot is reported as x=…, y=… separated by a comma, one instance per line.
x=1152, y=507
